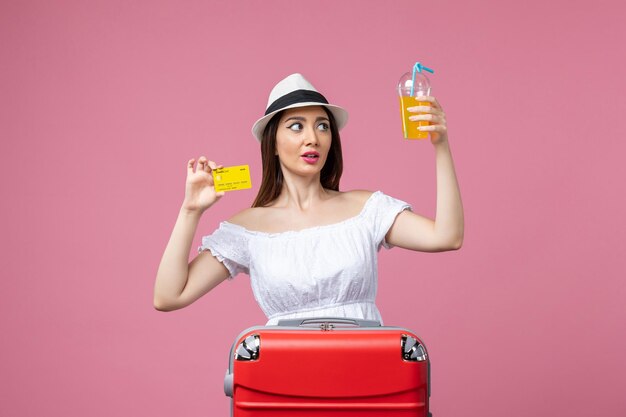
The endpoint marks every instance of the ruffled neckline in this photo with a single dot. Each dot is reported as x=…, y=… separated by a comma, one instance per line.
x=307, y=230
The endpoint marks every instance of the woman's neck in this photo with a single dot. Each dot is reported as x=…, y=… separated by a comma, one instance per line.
x=301, y=193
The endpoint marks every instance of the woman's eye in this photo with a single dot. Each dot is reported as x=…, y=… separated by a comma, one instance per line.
x=296, y=127
x=323, y=126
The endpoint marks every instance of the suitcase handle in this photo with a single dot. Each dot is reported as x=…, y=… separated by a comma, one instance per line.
x=326, y=321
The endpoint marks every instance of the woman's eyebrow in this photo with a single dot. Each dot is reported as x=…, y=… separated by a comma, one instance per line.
x=302, y=119
x=298, y=118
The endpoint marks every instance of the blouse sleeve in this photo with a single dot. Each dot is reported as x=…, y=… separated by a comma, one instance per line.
x=384, y=211
x=229, y=245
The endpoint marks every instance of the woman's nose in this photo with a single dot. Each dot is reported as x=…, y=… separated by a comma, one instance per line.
x=311, y=137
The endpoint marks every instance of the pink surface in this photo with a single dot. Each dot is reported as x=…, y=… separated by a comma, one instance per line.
x=103, y=102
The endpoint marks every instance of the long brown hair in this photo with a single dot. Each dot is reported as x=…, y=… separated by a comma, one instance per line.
x=272, y=182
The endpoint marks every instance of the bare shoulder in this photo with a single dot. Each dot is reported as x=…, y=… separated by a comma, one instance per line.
x=352, y=202
x=249, y=218
x=356, y=196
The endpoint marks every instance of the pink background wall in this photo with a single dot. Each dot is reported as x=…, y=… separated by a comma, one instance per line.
x=103, y=102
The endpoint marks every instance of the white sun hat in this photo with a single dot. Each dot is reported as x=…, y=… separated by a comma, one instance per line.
x=296, y=91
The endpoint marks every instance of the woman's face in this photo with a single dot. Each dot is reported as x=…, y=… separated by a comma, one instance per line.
x=303, y=140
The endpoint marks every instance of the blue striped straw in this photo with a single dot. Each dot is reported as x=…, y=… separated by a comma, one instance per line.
x=418, y=67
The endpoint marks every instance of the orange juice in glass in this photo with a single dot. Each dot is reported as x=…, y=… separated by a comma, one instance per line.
x=411, y=87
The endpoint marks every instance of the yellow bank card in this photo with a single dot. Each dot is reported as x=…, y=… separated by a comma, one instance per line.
x=232, y=178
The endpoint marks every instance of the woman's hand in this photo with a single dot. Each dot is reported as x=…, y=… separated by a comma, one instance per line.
x=419, y=233
x=200, y=191
x=438, y=128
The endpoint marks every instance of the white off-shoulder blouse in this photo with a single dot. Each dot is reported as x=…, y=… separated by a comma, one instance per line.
x=325, y=271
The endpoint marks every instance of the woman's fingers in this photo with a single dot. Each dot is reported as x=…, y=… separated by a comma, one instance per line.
x=203, y=164
x=433, y=114
x=429, y=117
x=433, y=128
x=437, y=123
x=430, y=99
x=425, y=109
x=434, y=108
x=206, y=165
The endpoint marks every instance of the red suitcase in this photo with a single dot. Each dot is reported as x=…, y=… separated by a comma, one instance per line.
x=330, y=367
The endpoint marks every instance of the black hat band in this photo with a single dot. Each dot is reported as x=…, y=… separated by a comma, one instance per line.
x=297, y=96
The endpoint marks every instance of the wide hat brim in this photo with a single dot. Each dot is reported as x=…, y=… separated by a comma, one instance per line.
x=292, y=92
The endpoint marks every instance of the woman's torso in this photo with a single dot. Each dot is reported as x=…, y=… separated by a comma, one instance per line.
x=323, y=263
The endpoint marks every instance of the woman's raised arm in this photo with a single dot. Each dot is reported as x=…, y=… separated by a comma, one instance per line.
x=445, y=232
x=179, y=283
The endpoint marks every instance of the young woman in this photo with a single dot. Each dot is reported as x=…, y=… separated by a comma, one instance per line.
x=310, y=249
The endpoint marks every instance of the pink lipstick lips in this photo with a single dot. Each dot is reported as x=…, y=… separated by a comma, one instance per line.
x=310, y=157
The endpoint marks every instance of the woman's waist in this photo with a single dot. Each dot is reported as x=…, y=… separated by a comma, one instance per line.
x=362, y=309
